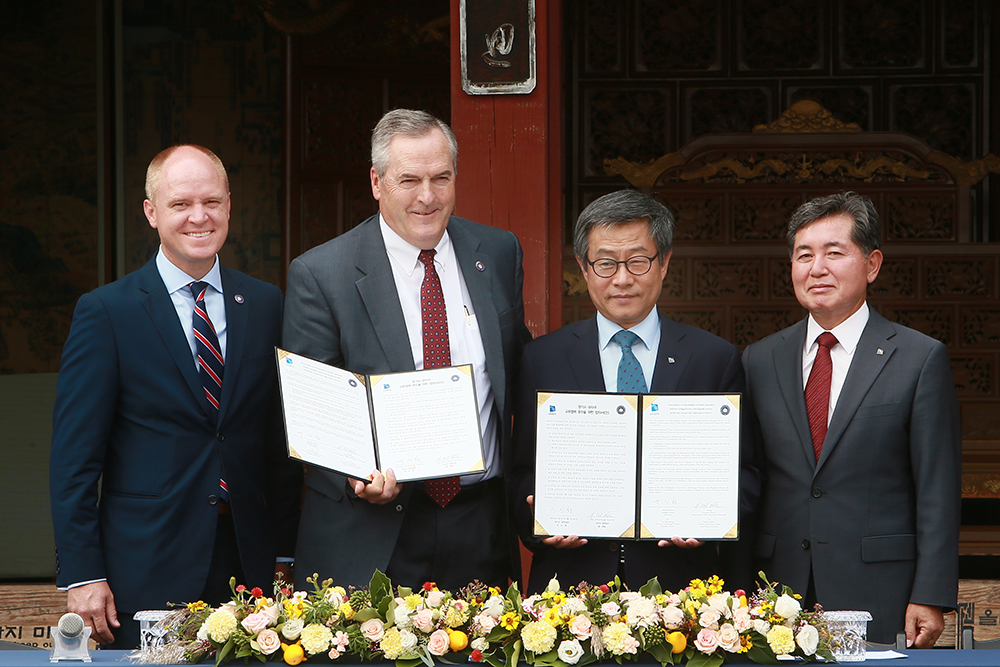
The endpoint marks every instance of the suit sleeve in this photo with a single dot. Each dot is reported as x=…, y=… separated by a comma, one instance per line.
x=86, y=400
x=309, y=327
x=935, y=457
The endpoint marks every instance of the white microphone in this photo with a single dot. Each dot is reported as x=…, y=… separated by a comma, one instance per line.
x=70, y=639
x=70, y=625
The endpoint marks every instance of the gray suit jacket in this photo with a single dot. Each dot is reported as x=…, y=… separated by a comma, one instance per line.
x=343, y=309
x=877, y=517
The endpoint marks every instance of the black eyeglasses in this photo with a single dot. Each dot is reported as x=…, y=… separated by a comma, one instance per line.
x=606, y=267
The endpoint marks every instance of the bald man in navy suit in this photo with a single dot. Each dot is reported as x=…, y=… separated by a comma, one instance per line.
x=141, y=448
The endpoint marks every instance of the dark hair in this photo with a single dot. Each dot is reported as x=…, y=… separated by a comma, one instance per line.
x=861, y=210
x=622, y=207
x=408, y=123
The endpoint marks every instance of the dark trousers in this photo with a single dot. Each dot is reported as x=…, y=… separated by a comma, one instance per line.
x=454, y=545
x=225, y=564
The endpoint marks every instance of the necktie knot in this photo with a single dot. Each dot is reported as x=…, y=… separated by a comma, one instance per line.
x=426, y=257
x=826, y=339
x=625, y=339
x=198, y=290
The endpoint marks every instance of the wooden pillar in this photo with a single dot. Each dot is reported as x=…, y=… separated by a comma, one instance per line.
x=510, y=171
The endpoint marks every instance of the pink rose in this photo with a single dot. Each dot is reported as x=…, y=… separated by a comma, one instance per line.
x=707, y=641
x=742, y=620
x=373, y=629
x=611, y=608
x=486, y=622
x=423, y=620
x=580, y=626
x=254, y=623
x=438, y=642
x=709, y=618
x=673, y=616
x=434, y=598
x=272, y=613
x=729, y=638
x=269, y=641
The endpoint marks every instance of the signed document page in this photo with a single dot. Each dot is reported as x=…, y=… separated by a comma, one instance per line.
x=690, y=466
x=427, y=423
x=327, y=420
x=585, y=464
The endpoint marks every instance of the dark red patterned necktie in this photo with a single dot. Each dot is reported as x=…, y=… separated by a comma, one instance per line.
x=437, y=353
x=210, y=361
x=818, y=391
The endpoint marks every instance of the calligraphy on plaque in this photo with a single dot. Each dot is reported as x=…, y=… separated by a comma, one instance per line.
x=498, y=46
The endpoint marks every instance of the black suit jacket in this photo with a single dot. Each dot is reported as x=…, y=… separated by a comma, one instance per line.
x=876, y=519
x=343, y=309
x=688, y=360
x=130, y=411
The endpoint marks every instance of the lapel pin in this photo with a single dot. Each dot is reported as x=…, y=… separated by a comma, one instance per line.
x=480, y=266
x=670, y=360
x=238, y=298
x=878, y=351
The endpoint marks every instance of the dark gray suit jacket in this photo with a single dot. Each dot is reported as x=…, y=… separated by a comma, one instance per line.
x=343, y=309
x=877, y=517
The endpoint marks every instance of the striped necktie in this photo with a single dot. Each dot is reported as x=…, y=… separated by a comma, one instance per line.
x=211, y=365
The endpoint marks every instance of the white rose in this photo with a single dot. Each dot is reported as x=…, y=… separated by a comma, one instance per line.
x=761, y=626
x=493, y=606
x=203, y=632
x=407, y=639
x=628, y=596
x=742, y=620
x=673, y=616
x=479, y=644
x=485, y=622
x=787, y=607
x=570, y=651
x=292, y=628
x=573, y=606
x=807, y=639
x=434, y=598
x=641, y=611
x=720, y=603
x=611, y=608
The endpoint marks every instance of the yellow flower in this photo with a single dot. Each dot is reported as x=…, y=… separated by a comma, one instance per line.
x=615, y=637
x=781, y=640
x=510, y=620
x=495, y=590
x=745, y=643
x=553, y=617
x=457, y=614
x=293, y=608
x=346, y=610
x=315, y=638
x=412, y=601
x=197, y=606
x=538, y=637
x=661, y=599
x=697, y=587
x=715, y=585
x=220, y=625
x=391, y=644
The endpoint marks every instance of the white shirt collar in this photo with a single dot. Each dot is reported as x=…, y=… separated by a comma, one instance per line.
x=848, y=332
x=405, y=254
x=174, y=278
x=645, y=330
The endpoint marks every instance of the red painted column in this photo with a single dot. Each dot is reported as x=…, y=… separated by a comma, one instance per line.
x=510, y=171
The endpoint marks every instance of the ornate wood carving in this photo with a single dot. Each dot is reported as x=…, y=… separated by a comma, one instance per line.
x=807, y=116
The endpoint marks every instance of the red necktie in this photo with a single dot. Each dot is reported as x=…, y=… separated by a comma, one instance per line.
x=211, y=365
x=437, y=353
x=818, y=391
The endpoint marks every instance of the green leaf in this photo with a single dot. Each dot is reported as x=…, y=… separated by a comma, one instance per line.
x=226, y=649
x=379, y=588
x=652, y=587
x=365, y=615
x=408, y=662
x=706, y=659
x=493, y=660
x=761, y=653
x=662, y=653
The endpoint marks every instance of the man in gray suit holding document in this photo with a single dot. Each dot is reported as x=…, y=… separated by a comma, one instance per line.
x=362, y=302
x=859, y=439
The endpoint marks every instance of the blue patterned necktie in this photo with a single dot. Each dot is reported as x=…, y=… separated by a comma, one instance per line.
x=630, y=377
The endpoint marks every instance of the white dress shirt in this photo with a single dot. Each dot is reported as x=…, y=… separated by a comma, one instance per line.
x=463, y=328
x=645, y=349
x=848, y=334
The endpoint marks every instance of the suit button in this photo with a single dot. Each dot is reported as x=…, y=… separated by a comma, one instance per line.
x=817, y=493
x=220, y=437
x=213, y=499
x=805, y=544
x=399, y=508
x=613, y=547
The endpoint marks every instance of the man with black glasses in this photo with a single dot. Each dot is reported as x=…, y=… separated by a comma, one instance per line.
x=623, y=242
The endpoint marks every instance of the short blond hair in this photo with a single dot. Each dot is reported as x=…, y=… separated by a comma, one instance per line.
x=155, y=168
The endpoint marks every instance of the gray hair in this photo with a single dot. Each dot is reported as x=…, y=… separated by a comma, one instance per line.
x=622, y=207
x=860, y=209
x=408, y=123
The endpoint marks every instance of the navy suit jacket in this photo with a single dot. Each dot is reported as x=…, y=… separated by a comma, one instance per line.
x=130, y=411
x=876, y=519
x=343, y=309
x=568, y=359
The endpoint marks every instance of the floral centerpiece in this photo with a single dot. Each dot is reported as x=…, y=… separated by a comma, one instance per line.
x=701, y=626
